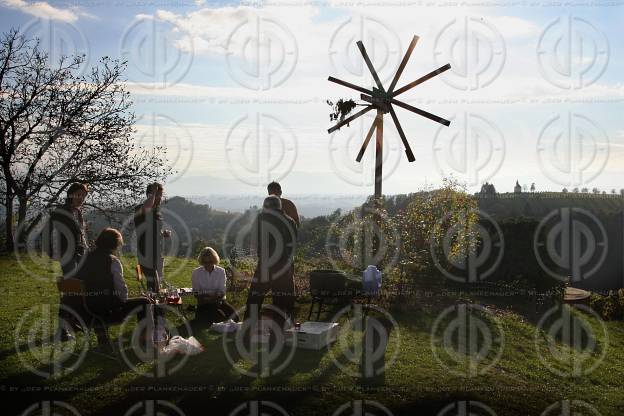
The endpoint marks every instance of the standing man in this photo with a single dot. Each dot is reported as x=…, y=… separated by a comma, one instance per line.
x=148, y=226
x=69, y=242
x=275, y=236
x=289, y=208
x=68, y=245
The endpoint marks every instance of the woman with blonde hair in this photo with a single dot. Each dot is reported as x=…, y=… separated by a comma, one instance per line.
x=209, y=286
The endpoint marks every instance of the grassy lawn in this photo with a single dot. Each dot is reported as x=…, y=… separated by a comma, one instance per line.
x=423, y=375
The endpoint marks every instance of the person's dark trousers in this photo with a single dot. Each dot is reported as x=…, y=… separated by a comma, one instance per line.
x=218, y=311
x=282, y=289
x=152, y=283
x=140, y=306
x=228, y=310
x=69, y=269
x=257, y=291
x=283, y=293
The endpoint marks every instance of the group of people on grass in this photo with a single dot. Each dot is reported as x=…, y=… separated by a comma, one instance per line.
x=274, y=236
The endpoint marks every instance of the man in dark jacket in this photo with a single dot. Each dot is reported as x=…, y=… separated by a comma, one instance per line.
x=68, y=244
x=149, y=231
x=275, y=236
x=68, y=238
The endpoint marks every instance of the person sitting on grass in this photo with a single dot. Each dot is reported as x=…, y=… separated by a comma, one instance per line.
x=209, y=286
x=106, y=289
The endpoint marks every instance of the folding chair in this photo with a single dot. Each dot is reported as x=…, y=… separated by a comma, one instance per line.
x=328, y=287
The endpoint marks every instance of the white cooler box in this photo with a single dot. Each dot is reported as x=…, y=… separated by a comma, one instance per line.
x=313, y=335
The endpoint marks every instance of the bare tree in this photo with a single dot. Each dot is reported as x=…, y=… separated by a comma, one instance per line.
x=58, y=127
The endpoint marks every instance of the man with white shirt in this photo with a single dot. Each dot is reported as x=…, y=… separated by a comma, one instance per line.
x=106, y=290
x=209, y=286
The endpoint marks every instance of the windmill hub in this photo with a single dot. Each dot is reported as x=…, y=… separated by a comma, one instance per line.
x=380, y=99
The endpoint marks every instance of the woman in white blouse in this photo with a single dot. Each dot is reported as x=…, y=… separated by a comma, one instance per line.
x=209, y=286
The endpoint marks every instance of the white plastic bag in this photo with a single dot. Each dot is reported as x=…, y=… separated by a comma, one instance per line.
x=226, y=326
x=180, y=345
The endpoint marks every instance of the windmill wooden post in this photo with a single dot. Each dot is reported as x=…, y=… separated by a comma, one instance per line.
x=383, y=100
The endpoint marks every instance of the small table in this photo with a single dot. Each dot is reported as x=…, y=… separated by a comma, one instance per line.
x=173, y=297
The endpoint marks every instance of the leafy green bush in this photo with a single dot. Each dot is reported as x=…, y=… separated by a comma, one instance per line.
x=439, y=220
x=597, y=303
x=612, y=309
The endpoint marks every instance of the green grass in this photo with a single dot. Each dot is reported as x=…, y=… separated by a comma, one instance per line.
x=519, y=383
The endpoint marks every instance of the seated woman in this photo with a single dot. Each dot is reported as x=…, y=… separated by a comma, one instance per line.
x=106, y=290
x=209, y=285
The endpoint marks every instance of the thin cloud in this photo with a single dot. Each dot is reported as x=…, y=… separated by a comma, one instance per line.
x=42, y=9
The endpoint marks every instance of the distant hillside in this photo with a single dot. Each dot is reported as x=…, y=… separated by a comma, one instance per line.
x=539, y=204
x=308, y=205
x=196, y=225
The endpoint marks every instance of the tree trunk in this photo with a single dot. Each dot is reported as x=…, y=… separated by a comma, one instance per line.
x=21, y=220
x=8, y=244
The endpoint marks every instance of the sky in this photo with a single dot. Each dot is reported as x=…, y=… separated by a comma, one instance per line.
x=237, y=90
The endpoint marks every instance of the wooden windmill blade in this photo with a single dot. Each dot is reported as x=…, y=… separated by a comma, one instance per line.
x=349, y=85
x=369, y=64
x=366, y=140
x=421, y=80
x=408, y=149
x=421, y=112
x=403, y=63
x=350, y=119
